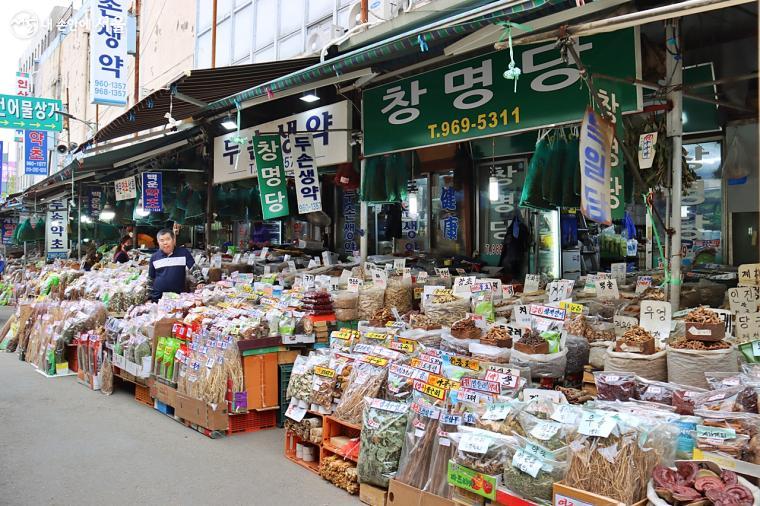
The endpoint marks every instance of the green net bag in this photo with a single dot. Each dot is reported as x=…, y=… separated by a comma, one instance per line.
x=532, y=194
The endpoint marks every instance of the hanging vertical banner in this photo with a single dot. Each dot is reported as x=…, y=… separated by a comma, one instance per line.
x=304, y=165
x=56, y=233
x=152, y=192
x=608, y=98
x=125, y=189
x=272, y=185
x=23, y=89
x=350, y=230
x=35, y=153
x=94, y=200
x=647, y=144
x=8, y=226
x=595, y=148
x=108, y=53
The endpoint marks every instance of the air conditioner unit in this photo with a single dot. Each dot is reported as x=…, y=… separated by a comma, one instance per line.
x=355, y=15
x=384, y=10
x=410, y=5
x=321, y=37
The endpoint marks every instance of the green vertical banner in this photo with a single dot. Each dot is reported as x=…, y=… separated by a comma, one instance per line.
x=271, y=174
x=608, y=94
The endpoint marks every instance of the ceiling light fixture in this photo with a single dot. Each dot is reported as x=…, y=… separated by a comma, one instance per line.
x=310, y=96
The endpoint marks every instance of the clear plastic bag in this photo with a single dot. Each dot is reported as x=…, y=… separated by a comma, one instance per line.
x=500, y=417
x=615, y=386
x=443, y=451
x=547, y=433
x=552, y=365
x=488, y=353
x=446, y=313
x=458, y=346
x=577, y=353
x=532, y=471
x=419, y=441
x=344, y=299
x=400, y=382
x=371, y=300
x=480, y=450
x=365, y=380
x=398, y=294
x=322, y=388
x=382, y=437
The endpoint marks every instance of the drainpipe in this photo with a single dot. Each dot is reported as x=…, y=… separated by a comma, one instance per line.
x=213, y=36
x=674, y=123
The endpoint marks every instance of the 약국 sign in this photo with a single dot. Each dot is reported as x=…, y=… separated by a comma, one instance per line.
x=595, y=148
x=417, y=111
x=35, y=153
x=330, y=147
x=152, y=191
x=108, y=53
x=272, y=186
x=306, y=173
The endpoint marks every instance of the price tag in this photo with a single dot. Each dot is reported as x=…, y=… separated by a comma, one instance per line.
x=552, y=313
x=618, y=272
x=756, y=348
x=531, y=283
x=380, y=278
x=463, y=284
x=326, y=258
x=538, y=450
x=443, y=273
x=607, y=289
x=571, y=307
x=552, y=291
x=642, y=283
x=432, y=391
x=521, y=315
x=465, y=362
x=496, y=412
x=704, y=431
x=236, y=258
x=545, y=430
x=508, y=291
x=422, y=276
x=318, y=261
x=308, y=280
x=508, y=381
x=294, y=412
x=461, y=272
x=399, y=264
x=354, y=284
x=748, y=326
x=291, y=266
x=596, y=424
x=324, y=371
x=264, y=252
x=555, y=396
x=216, y=261
x=565, y=413
x=749, y=275
x=742, y=300
x=527, y=463
x=623, y=323
x=474, y=443
x=655, y=317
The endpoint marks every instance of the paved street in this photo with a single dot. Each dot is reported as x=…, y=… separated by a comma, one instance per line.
x=61, y=443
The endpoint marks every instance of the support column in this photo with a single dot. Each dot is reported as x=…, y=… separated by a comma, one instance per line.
x=674, y=122
x=363, y=216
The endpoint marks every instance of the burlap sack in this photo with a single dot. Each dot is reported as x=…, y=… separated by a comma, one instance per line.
x=652, y=367
x=688, y=367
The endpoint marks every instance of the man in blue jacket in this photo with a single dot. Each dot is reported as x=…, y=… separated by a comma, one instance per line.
x=169, y=266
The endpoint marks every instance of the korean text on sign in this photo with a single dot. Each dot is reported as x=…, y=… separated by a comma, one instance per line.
x=306, y=173
x=152, y=191
x=272, y=184
x=30, y=113
x=595, y=147
x=35, y=153
x=108, y=53
x=56, y=236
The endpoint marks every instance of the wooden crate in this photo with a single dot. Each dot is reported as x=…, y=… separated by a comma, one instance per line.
x=332, y=427
x=291, y=440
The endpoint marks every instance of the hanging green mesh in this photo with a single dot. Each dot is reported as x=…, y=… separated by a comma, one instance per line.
x=25, y=232
x=196, y=205
x=386, y=177
x=106, y=232
x=254, y=205
x=551, y=183
x=39, y=230
x=571, y=174
x=177, y=215
x=532, y=193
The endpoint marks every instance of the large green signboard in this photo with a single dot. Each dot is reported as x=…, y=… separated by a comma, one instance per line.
x=30, y=113
x=472, y=99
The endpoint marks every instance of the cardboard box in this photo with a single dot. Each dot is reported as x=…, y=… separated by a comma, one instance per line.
x=164, y=393
x=564, y=495
x=705, y=331
x=287, y=357
x=373, y=496
x=400, y=494
x=198, y=412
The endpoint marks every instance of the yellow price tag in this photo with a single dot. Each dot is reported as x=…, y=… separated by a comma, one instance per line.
x=441, y=382
x=467, y=363
x=432, y=391
x=371, y=359
x=324, y=371
x=401, y=346
x=376, y=335
x=571, y=307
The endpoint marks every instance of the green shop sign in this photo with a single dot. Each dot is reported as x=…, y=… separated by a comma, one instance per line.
x=466, y=478
x=30, y=113
x=471, y=99
x=269, y=169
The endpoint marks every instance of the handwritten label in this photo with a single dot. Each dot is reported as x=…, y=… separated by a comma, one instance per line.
x=704, y=431
x=623, y=323
x=508, y=291
x=607, y=289
x=428, y=389
x=474, y=443
x=655, y=318
x=531, y=283
x=552, y=313
x=294, y=411
x=353, y=284
x=425, y=366
x=749, y=275
x=526, y=462
x=443, y=273
x=380, y=278
x=742, y=300
x=596, y=424
x=617, y=271
x=481, y=385
x=747, y=326
x=465, y=362
x=571, y=307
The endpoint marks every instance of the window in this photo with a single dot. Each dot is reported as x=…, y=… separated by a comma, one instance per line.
x=243, y=21
x=702, y=206
x=447, y=215
x=203, y=56
x=265, y=26
x=319, y=9
x=204, y=14
x=291, y=16
x=495, y=216
x=264, y=55
x=223, y=40
x=292, y=46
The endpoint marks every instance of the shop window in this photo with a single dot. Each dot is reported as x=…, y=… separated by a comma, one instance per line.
x=415, y=218
x=495, y=216
x=702, y=206
x=265, y=28
x=242, y=42
x=448, y=218
x=223, y=35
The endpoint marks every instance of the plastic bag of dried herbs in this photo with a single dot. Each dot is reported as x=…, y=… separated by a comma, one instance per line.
x=500, y=417
x=400, y=382
x=322, y=388
x=365, y=380
x=442, y=451
x=382, y=436
x=419, y=439
x=532, y=470
x=548, y=433
x=481, y=450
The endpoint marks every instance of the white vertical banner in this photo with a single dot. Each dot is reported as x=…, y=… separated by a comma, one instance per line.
x=304, y=164
x=57, y=229
x=595, y=149
x=125, y=188
x=108, y=53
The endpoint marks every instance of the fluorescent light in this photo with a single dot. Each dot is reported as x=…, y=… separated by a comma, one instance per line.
x=108, y=213
x=229, y=124
x=413, y=204
x=493, y=189
x=140, y=210
x=309, y=97
x=85, y=219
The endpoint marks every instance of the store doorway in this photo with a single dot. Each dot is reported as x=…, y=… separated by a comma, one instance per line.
x=744, y=238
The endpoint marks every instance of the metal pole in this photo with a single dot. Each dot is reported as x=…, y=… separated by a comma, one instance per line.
x=363, y=216
x=674, y=122
x=79, y=228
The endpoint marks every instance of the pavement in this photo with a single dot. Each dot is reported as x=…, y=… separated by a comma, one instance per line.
x=61, y=443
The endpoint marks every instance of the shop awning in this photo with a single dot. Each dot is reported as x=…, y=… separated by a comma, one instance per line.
x=88, y=166
x=420, y=42
x=192, y=92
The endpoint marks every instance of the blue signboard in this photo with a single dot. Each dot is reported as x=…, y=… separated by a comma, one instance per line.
x=152, y=192
x=35, y=153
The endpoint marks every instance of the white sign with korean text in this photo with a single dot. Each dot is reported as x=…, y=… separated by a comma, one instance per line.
x=595, y=150
x=748, y=326
x=618, y=272
x=531, y=283
x=329, y=126
x=125, y=188
x=607, y=289
x=108, y=53
x=655, y=318
x=303, y=161
x=742, y=299
x=56, y=230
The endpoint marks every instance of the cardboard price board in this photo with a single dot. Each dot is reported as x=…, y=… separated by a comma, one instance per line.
x=623, y=323
x=726, y=317
x=531, y=283
x=642, y=283
x=655, y=317
x=607, y=289
x=747, y=325
x=749, y=275
x=743, y=299
x=478, y=483
x=618, y=272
